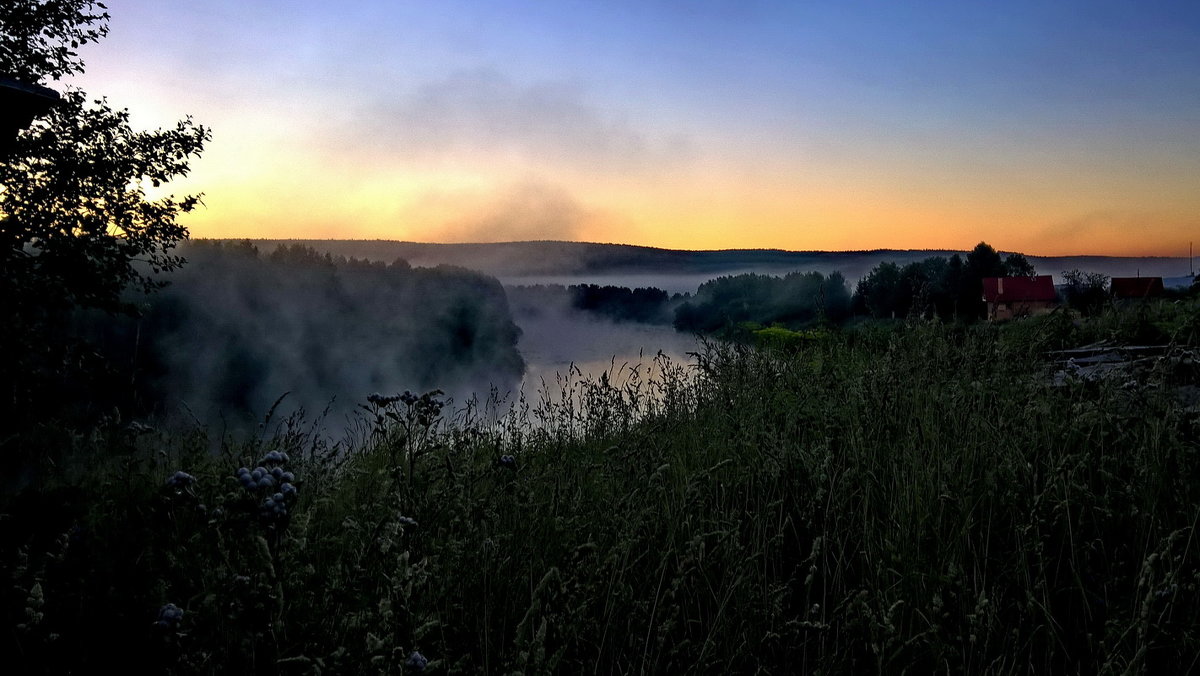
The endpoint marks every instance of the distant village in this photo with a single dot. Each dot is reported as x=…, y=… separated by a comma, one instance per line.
x=1013, y=297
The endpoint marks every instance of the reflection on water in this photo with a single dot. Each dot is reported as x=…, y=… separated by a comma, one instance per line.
x=551, y=342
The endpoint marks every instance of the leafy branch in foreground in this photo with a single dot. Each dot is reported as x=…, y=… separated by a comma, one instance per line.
x=77, y=221
x=38, y=38
x=78, y=225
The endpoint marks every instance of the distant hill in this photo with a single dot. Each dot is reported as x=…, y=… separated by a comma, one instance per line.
x=534, y=262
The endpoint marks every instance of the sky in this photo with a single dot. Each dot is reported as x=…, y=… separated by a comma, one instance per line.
x=1056, y=128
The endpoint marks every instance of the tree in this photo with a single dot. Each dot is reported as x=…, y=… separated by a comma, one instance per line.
x=982, y=261
x=878, y=293
x=77, y=225
x=1016, y=265
x=1086, y=292
x=38, y=38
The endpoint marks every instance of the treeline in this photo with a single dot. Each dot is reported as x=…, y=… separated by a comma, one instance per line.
x=949, y=288
x=945, y=287
x=647, y=305
x=237, y=328
x=797, y=299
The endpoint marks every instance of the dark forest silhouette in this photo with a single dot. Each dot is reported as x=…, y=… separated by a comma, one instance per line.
x=236, y=329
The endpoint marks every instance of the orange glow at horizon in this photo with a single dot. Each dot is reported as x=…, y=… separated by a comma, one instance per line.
x=696, y=210
x=817, y=126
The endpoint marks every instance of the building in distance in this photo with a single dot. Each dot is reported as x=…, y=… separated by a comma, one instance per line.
x=1009, y=297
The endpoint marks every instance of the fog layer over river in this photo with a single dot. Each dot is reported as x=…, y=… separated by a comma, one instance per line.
x=552, y=341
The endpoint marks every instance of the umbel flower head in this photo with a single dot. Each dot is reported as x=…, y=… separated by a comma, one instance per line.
x=169, y=616
x=181, y=480
x=416, y=661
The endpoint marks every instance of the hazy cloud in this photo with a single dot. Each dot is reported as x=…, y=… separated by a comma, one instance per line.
x=483, y=111
x=1132, y=231
x=1103, y=224
x=527, y=211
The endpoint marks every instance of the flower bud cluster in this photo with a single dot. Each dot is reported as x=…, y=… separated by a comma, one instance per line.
x=380, y=400
x=169, y=616
x=416, y=661
x=181, y=480
x=270, y=479
x=427, y=407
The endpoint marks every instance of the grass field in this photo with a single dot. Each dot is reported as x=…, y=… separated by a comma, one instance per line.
x=888, y=498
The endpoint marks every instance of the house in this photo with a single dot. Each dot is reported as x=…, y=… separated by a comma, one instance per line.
x=1009, y=297
x=20, y=102
x=1136, y=288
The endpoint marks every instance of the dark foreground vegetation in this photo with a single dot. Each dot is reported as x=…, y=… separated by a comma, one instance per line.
x=917, y=497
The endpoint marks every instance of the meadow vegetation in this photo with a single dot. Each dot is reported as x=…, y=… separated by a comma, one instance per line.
x=889, y=497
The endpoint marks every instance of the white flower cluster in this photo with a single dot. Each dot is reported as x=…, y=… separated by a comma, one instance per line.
x=508, y=461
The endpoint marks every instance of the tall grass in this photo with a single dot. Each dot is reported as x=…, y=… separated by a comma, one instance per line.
x=914, y=499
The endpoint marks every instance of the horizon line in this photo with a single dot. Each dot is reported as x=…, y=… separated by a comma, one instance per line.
x=658, y=248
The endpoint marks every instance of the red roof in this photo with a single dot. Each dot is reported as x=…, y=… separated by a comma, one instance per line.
x=1010, y=289
x=1136, y=287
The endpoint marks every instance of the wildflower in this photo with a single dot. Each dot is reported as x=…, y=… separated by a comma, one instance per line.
x=288, y=490
x=277, y=472
x=169, y=616
x=407, y=521
x=508, y=461
x=1166, y=591
x=380, y=400
x=266, y=482
x=416, y=661
x=288, y=477
x=136, y=428
x=258, y=473
x=181, y=480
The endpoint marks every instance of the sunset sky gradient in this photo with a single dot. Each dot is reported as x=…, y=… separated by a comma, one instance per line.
x=1049, y=128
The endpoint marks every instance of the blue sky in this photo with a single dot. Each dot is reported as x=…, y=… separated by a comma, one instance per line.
x=1064, y=127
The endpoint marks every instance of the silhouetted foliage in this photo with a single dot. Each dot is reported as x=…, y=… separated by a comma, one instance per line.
x=947, y=288
x=1086, y=292
x=621, y=303
x=77, y=223
x=646, y=305
x=880, y=294
x=1016, y=265
x=796, y=300
x=38, y=38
